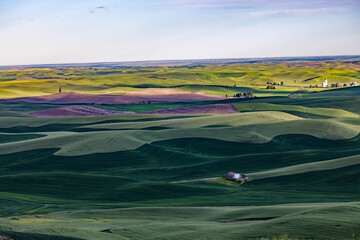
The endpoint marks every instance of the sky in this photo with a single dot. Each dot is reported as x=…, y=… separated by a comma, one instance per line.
x=74, y=31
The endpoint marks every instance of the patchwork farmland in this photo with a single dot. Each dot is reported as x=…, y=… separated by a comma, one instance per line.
x=140, y=152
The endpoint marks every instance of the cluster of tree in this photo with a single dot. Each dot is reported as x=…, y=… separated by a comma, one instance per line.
x=270, y=87
x=333, y=85
x=272, y=83
x=248, y=94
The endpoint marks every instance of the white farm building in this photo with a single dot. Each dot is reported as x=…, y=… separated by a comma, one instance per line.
x=325, y=83
x=236, y=176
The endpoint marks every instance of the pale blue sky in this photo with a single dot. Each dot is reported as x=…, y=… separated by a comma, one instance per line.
x=63, y=31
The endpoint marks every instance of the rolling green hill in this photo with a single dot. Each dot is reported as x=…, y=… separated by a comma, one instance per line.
x=213, y=79
x=197, y=223
x=159, y=176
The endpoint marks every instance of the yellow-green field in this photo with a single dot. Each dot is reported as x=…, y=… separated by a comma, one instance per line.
x=217, y=80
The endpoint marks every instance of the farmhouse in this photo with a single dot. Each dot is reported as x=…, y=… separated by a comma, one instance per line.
x=325, y=83
x=236, y=176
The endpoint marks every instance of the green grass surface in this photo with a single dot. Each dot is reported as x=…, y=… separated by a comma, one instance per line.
x=144, y=176
x=113, y=181
x=6, y=138
x=308, y=167
x=81, y=143
x=219, y=80
x=327, y=112
x=198, y=223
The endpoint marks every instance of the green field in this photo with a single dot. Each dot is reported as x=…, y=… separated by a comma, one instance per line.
x=159, y=176
x=213, y=79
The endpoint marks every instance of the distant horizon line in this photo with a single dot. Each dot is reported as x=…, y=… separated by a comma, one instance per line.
x=133, y=63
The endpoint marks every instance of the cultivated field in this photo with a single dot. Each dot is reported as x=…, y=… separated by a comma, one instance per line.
x=140, y=152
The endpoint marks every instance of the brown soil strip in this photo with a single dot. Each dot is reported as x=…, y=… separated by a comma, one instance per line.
x=132, y=97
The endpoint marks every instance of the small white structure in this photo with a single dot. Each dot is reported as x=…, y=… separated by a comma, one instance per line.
x=325, y=83
x=235, y=176
x=353, y=84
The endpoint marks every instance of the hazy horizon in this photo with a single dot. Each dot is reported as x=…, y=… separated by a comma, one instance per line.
x=185, y=60
x=43, y=32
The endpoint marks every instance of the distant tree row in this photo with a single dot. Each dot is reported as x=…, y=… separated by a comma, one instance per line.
x=270, y=87
x=273, y=83
x=333, y=85
x=248, y=94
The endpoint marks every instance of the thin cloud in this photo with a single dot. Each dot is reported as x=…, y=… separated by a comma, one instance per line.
x=99, y=8
x=259, y=4
x=287, y=12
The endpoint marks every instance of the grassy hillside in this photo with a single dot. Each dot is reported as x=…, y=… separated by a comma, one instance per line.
x=157, y=176
x=218, y=80
x=197, y=223
x=87, y=182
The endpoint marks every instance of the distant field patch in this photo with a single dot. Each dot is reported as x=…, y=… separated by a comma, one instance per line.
x=7, y=138
x=307, y=167
x=75, y=143
x=329, y=112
